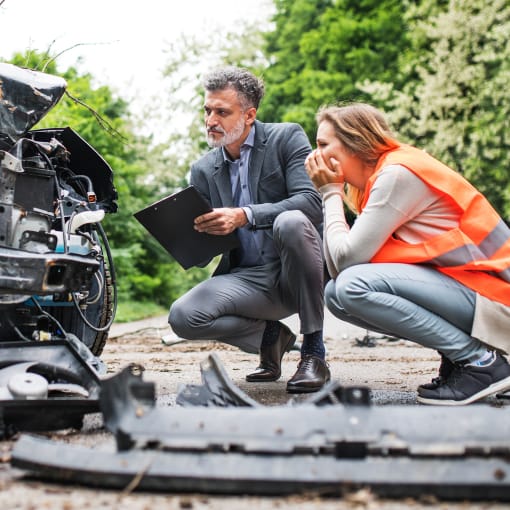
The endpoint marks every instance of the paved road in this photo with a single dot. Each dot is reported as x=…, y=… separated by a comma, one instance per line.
x=333, y=327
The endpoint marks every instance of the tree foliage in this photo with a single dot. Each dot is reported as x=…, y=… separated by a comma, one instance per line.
x=455, y=100
x=439, y=68
x=320, y=50
x=189, y=58
x=145, y=272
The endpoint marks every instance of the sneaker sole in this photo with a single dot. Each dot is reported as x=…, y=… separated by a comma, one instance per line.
x=497, y=387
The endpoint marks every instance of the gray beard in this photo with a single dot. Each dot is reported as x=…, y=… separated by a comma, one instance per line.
x=227, y=138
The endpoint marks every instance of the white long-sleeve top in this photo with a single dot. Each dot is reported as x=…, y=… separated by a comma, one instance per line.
x=400, y=203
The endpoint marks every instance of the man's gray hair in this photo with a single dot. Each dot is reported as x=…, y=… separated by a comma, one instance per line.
x=249, y=88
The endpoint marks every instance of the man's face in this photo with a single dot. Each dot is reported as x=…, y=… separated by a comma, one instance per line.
x=225, y=121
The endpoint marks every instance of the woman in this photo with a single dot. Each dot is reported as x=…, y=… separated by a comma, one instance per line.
x=427, y=259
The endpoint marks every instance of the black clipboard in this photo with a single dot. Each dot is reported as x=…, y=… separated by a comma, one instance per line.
x=170, y=221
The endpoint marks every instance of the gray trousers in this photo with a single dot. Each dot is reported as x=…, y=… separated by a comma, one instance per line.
x=408, y=301
x=233, y=308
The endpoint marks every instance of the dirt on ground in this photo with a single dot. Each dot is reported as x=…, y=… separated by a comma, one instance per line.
x=356, y=358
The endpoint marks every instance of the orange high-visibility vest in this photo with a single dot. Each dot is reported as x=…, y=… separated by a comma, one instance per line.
x=477, y=253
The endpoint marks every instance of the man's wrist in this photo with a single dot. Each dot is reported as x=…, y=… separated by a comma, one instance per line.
x=243, y=216
x=248, y=213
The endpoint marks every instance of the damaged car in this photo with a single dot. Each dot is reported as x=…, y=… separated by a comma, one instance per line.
x=57, y=279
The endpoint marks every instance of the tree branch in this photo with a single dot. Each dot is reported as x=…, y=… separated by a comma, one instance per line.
x=48, y=62
x=100, y=120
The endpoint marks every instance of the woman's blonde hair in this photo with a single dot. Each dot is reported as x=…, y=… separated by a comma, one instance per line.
x=364, y=132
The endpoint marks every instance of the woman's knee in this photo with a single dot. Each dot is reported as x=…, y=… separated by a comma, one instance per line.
x=347, y=292
x=330, y=293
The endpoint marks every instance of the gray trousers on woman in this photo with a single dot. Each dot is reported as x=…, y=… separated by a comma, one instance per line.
x=408, y=301
x=233, y=307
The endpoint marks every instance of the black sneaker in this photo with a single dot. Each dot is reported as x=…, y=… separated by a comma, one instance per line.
x=468, y=383
x=445, y=369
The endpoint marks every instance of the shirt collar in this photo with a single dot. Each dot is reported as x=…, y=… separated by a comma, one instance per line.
x=247, y=144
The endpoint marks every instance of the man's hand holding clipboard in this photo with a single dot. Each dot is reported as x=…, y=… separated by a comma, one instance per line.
x=171, y=221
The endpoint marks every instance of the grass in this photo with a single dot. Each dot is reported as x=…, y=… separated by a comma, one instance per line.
x=128, y=311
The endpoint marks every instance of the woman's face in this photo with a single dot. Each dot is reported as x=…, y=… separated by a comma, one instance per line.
x=350, y=165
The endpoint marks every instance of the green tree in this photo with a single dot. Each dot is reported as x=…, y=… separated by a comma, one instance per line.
x=144, y=270
x=455, y=101
x=320, y=50
x=189, y=58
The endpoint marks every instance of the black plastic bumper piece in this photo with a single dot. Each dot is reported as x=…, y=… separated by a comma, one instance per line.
x=235, y=473
x=56, y=361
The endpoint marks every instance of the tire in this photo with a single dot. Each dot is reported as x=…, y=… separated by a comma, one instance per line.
x=98, y=314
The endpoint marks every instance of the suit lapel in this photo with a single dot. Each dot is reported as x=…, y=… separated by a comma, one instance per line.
x=257, y=159
x=221, y=176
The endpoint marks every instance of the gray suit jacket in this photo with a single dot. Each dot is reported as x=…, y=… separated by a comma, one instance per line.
x=278, y=179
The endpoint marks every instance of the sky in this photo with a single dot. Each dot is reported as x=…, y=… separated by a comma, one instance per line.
x=120, y=42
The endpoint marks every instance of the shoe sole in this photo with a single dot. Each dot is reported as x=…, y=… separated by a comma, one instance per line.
x=497, y=387
x=254, y=379
x=304, y=390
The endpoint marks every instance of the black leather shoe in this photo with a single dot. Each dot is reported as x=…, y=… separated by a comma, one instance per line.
x=269, y=368
x=311, y=375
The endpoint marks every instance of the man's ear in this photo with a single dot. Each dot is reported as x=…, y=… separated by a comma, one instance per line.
x=250, y=115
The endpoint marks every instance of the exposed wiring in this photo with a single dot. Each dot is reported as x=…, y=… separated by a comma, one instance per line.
x=102, y=286
x=100, y=283
x=19, y=333
x=58, y=188
x=49, y=316
x=85, y=178
x=107, y=326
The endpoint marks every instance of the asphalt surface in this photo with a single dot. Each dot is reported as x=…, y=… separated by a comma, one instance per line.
x=390, y=368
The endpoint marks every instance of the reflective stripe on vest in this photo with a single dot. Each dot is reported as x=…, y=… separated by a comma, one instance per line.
x=477, y=253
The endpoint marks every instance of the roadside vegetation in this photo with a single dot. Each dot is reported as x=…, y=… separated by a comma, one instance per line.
x=439, y=68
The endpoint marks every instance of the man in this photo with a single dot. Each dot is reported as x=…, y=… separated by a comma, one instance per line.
x=255, y=180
